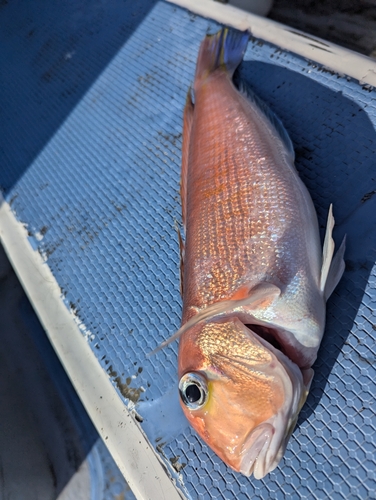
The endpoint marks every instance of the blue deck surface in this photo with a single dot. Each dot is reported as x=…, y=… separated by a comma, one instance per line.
x=92, y=95
x=80, y=439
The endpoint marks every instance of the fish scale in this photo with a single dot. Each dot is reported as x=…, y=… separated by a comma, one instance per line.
x=254, y=278
x=235, y=202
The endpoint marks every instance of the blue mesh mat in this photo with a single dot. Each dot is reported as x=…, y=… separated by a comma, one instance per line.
x=79, y=439
x=92, y=94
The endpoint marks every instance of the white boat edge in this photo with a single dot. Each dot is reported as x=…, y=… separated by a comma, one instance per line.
x=331, y=56
x=128, y=445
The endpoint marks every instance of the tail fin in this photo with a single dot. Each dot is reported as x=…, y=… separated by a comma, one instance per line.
x=223, y=50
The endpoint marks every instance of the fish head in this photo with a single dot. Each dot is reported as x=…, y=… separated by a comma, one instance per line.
x=239, y=393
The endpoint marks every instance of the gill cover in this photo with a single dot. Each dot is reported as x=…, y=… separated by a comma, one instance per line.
x=247, y=398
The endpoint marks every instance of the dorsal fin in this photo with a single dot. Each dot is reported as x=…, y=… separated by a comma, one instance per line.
x=182, y=250
x=187, y=126
x=270, y=115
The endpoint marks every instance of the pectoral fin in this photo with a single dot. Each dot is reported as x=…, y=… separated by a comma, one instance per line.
x=261, y=295
x=332, y=268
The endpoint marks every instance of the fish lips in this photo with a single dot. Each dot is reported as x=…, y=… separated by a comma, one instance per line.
x=254, y=456
x=264, y=446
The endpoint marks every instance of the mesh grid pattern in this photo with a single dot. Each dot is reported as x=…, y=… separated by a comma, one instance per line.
x=92, y=104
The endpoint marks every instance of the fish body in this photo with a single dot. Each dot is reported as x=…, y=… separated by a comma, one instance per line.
x=254, y=277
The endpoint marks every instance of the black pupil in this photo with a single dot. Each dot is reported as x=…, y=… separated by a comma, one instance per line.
x=192, y=393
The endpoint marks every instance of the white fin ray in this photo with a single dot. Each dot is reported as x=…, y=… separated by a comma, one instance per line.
x=336, y=270
x=332, y=268
x=328, y=249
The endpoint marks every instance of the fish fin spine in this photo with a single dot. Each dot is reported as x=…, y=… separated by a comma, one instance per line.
x=187, y=126
x=182, y=250
x=337, y=268
x=332, y=268
x=223, y=50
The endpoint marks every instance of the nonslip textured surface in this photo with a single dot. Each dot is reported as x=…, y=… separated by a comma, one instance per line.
x=49, y=448
x=91, y=103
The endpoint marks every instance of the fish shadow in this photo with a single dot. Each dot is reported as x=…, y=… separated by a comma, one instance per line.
x=334, y=141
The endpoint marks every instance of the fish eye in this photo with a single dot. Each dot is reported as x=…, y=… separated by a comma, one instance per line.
x=193, y=390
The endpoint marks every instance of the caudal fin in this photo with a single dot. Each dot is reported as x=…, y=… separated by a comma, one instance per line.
x=223, y=50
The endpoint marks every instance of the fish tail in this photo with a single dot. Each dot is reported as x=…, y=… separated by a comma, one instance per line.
x=224, y=50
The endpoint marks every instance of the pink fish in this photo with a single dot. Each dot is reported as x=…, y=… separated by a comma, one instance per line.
x=255, y=278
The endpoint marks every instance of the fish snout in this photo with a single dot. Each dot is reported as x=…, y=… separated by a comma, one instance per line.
x=255, y=457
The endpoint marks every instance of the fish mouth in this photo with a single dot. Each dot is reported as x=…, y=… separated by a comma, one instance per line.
x=255, y=457
x=269, y=335
x=270, y=338
x=264, y=446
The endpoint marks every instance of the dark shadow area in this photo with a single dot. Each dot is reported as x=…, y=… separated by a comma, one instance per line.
x=46, y=434
x=349, y=23
x=51, y=53
x=334, y=142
